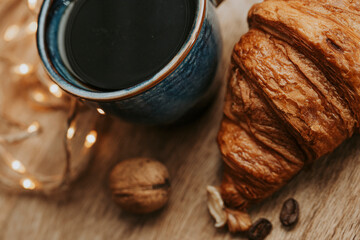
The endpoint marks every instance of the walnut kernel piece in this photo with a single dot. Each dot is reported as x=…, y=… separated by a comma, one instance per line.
x=237, y=221
x=216, y=206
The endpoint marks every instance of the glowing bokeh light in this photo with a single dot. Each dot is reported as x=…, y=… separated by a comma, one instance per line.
x=90, y=139
x=33, y=127
x=70, y=132
x=17, y=166
x=11, y=32
x=28, y=184
x=101, y=111
x=55, y=90
x=32, y=27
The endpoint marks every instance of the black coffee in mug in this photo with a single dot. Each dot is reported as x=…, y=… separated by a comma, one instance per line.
x=117, y=44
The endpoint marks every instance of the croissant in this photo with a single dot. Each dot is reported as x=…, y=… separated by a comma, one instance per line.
x=293, y=96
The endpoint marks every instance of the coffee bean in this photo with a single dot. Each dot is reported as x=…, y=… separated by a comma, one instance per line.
x=289, y=214
x=260, y=229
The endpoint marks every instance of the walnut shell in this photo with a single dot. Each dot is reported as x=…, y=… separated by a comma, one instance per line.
x=140, y=185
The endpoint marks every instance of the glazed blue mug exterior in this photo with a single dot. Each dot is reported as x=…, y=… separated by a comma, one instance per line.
x=180, y=89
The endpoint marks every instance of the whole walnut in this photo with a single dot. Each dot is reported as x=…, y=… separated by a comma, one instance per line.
x=140, y=185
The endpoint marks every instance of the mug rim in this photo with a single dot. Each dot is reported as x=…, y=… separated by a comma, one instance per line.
x=123, y=93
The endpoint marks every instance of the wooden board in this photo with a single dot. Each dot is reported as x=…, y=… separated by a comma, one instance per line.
x=328, y=192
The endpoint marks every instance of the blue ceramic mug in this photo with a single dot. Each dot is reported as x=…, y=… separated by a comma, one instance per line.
x=181, y=88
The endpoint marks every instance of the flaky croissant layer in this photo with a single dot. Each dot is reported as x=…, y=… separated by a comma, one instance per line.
x=293, y=94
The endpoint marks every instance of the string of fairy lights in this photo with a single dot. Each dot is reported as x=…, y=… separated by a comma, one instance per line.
x=15, y=175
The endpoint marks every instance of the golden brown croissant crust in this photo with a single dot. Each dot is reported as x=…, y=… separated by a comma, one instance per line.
x=293, y=94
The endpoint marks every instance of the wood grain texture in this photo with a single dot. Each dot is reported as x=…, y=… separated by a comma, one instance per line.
x=328, y=191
